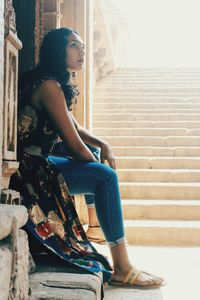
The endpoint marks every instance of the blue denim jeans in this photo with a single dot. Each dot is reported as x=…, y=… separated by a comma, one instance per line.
x=60, y=150
x=100, y=183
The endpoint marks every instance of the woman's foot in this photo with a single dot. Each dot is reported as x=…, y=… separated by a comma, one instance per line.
x=95, y=234
x=134, y=277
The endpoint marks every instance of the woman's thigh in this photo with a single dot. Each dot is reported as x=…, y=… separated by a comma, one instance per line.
x=82, y=177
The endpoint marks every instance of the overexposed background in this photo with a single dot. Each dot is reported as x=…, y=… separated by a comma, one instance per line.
x=162, y=32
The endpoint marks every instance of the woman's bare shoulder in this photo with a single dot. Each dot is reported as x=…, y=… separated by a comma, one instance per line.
x=49, y=84
x=49, y=88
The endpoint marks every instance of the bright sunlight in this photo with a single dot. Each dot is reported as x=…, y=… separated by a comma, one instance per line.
x=162, y=33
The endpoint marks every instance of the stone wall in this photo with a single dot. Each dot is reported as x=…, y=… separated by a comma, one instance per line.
x=14, y=251
x=12, y=44
x=1, y=82
x=25, y=14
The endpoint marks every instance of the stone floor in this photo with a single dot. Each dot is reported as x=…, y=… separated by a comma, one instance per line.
x=179, y=266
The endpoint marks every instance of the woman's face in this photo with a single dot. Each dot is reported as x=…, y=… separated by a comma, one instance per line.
x=75, y=53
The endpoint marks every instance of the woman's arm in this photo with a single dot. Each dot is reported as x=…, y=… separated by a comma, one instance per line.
x=52, y=100
x=88, y=138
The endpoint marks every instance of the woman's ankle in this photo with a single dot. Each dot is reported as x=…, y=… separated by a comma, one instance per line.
x=122, y=269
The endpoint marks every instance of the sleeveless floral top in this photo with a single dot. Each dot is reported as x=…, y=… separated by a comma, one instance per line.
x=34, y=131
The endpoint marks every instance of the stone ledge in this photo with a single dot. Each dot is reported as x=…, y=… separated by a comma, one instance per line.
x=62, y=286
x=7, y=214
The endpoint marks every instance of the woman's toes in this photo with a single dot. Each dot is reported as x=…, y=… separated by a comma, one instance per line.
x=144, y=279
x=158, y=280
x=148, y=279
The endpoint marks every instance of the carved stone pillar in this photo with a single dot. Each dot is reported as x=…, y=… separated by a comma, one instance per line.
x=52, y=14
x=74, y=16
x=47, y=17
x=119, y=29
x=11, y=47
x=103, y=47
x=89, y=62
x=78, y=15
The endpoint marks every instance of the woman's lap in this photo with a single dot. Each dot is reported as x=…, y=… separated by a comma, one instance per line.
x=79, y=175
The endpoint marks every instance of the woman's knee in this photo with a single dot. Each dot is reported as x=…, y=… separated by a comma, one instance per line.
x=108, y=173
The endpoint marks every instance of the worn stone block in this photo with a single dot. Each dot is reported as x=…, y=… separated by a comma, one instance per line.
x=7, y=214
x=62, y=286
x=23, y=265
x=14, y=282
x=5, y=268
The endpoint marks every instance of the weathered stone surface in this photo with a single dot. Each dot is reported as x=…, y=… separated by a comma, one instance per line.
x=1, y=80
x=7, y=214
x=62, y=286
x=14, y=283
x=31, y=264
x=5, y=268
x=132, y=294
x=23, y=265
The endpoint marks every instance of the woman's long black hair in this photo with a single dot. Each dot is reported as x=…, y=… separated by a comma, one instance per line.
x=52, y=63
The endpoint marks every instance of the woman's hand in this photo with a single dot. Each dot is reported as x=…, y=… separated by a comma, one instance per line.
x=107, y=155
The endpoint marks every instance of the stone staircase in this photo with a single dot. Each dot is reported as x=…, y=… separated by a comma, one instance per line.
x=151, y=117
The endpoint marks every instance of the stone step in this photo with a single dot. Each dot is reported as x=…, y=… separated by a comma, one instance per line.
x=64, y=285
x=126, y=88
x=146, y=99
x=145, y=89
x=169, y=141
x=156, y=151
x=152, y=75
x=138, y=105
x=161, y=209
x=170, y=233
x=145, y=117
x=146, y=124
x=145, y=77
x=144, y=81
x=151, y=118
x=135, y=111
x=160, y=71
x=147, y=94
x=146, y=132
x=137, y=82
x=137, y=162
x=160, y=190
x=158, y=175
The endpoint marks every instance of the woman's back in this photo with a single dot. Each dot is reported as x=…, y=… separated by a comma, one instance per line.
x=35, y=133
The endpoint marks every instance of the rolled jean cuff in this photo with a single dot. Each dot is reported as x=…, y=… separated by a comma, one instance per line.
x=92, y=205
x=117, y=242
